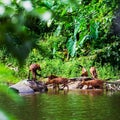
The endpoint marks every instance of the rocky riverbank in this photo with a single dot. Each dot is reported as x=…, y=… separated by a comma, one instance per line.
x=29, y=86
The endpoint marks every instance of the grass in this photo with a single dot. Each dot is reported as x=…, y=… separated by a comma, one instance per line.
x=61, y=68
x=7, y=75
x=107, y=71
x=71, y=68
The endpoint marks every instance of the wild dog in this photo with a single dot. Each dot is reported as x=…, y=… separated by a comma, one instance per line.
x=93, y=83
x=84, y=72
x=57, y=81
x=93, y=72
x=33, y=69
x=52, y=77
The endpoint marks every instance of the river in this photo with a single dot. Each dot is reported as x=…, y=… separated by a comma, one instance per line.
x=72, y=105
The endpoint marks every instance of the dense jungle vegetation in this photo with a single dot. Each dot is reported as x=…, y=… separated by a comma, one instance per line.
x=60, y=35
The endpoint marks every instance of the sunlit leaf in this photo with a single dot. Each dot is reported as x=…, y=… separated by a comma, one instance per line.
x=71, y=46
x=84, y=40
x=6, y=116
x=77, y=27
x=10, y=94
x=94, y=30
x=58, y=30
x=3, y=116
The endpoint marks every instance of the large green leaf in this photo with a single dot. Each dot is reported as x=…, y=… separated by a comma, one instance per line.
x=58, y=30
x=71, y=47
x=84, y=40
x=94, y=30
x=77, y=26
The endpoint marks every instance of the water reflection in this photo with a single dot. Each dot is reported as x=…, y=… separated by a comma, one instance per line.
x=72, y=105
x=90, y=92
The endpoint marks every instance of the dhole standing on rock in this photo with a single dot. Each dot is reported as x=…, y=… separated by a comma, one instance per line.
x=33, y=69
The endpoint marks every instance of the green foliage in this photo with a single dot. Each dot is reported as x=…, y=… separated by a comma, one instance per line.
x=84, y=26
x=16, y=29
x=107, y=71
x=7, y=75
x=110, y=54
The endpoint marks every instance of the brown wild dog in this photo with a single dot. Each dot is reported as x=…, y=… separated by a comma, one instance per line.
x=57, y=81
x=50, y=81
x=93, y=72
x=52, y=77
x=84, y=72
x=93, y=83
x=33, y=69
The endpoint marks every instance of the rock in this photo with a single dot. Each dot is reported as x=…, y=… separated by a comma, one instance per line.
x=80, y=78
x=84, y=87
x=29, y=86
x=73, y=85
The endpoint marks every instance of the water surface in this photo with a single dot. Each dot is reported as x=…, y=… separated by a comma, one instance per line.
x=74, y=105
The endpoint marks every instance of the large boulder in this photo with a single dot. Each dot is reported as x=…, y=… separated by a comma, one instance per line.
x=29, y=86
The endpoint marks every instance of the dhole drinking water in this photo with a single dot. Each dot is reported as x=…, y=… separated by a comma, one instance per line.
x=93, y=83
x=57, y=81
